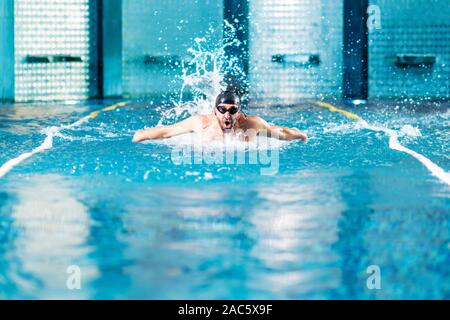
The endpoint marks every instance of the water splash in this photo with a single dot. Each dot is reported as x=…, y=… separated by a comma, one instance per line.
x=410, y=131
x=205, y=74
x=394, y=144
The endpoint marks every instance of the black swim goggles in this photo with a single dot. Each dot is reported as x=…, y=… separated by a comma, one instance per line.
x=223, y=110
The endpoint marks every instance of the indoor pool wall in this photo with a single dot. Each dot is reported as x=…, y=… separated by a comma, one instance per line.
x=137, y=49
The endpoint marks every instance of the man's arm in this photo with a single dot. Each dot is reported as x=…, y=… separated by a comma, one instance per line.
x=279, y=132
x=162, y=132
x=284, y=133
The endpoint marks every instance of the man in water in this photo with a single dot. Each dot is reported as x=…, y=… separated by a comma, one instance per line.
x=226, y=119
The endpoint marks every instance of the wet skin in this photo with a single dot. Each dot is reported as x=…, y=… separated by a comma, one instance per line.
x=216, y=125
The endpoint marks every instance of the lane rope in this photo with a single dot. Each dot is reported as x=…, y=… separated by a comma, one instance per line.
x=394, y=144
x=50, y=133
x=332, y=108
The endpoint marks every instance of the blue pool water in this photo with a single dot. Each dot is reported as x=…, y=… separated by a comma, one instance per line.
x=140, y=226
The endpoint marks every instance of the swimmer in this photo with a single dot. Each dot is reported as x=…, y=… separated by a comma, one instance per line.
x=226, y=119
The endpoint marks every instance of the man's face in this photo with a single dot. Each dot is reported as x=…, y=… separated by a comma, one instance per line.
x=227, y=114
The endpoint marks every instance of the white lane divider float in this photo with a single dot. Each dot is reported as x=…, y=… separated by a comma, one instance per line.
x=394, y=144
x=48, y=141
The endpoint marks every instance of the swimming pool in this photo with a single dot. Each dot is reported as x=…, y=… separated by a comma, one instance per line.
x=140, y=226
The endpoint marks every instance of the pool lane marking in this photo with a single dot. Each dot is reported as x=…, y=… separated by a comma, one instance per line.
x=394, y=144
x=332, y=108
x=50, y=133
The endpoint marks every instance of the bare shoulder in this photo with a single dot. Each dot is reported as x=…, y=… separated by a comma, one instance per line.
x=255, y=122
x=193, y=121
x=204, y=120
x=196, y=122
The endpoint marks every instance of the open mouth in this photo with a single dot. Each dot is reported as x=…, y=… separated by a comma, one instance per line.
x=228, y=123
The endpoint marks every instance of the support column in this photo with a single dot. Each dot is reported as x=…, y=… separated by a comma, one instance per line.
x=110, y=50
x=6, y=50
x=236, y=12
x=355, y=63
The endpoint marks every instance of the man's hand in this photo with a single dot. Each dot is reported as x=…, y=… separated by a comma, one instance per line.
x=284, y=133
x=295, y=133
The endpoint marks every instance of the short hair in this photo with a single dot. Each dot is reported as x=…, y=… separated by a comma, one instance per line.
x=228, y=97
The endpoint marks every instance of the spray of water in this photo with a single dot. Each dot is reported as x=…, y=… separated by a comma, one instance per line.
x=205, y=74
